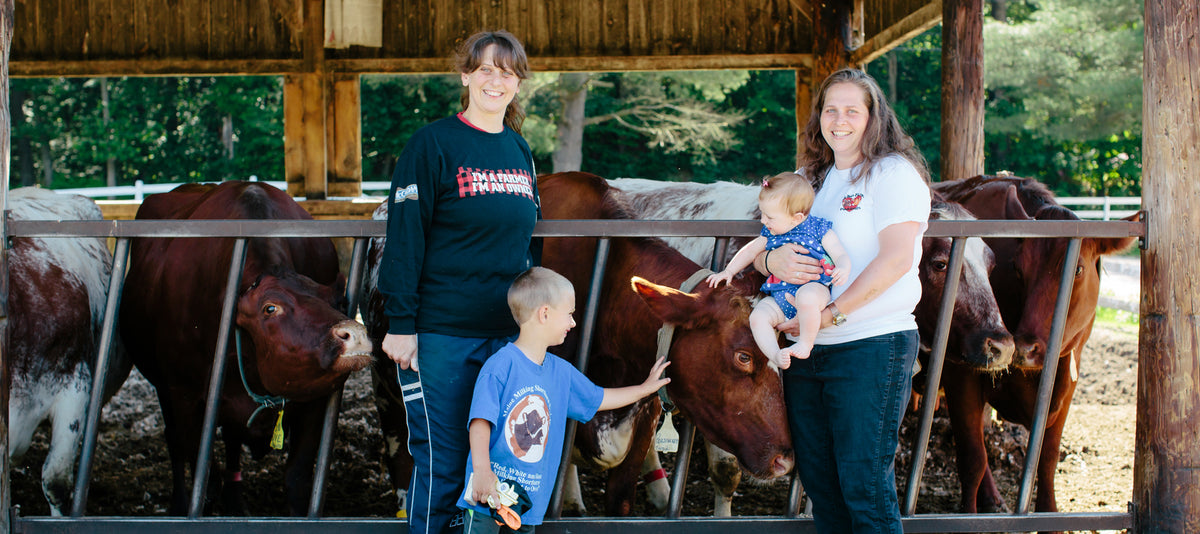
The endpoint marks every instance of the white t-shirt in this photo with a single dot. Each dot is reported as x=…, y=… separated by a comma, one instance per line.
x=892, y=193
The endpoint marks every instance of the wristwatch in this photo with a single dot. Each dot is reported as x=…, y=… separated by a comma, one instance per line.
x=839, y=318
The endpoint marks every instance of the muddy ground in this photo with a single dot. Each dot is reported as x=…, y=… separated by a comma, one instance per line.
x=130, y=477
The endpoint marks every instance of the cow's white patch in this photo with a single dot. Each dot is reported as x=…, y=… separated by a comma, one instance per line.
x=613, y=440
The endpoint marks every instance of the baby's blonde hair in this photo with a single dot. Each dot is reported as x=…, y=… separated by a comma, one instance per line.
x=535, y=288
x=793, y=188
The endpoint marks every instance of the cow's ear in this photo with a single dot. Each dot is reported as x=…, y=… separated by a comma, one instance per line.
x=669, y=304
x=1113, y=245
x=1013, y=210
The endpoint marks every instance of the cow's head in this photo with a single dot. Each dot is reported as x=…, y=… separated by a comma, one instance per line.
x=977, y=334
x=304, y=346
x=1037, y=266
x=720, y=379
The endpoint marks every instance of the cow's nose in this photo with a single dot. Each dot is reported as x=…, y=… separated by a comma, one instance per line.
x=1030, y=352
x=1000, y=351
x=353, y=336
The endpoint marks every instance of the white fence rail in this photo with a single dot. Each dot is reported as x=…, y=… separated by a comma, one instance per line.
x=1102, y=208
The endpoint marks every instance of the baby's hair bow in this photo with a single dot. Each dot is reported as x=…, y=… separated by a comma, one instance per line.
x=766, y=182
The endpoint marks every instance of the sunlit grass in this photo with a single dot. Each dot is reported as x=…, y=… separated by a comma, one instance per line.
x=1117, y=319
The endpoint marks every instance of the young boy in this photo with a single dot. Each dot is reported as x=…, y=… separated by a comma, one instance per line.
x=522, y=399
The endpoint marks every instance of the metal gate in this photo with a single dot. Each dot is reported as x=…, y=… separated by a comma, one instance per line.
x=790, y=520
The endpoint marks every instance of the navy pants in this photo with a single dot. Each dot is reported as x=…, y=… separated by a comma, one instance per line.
x=437, y=402
x=844, y=407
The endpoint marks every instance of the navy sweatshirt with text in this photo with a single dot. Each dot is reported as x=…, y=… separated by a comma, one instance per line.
x=462, y=207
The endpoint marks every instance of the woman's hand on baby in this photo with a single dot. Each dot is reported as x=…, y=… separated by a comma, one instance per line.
x=796, y=267
x=715, y=279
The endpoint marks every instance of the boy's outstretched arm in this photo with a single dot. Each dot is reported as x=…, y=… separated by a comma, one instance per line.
x=484, y=482
x=617, y=397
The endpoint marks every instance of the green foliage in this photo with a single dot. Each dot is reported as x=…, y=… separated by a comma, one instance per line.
x=1063, y=103
x=158, y=129
x=393, y=108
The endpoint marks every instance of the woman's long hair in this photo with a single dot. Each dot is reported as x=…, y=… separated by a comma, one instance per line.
x=509, y=55
x=883, y=135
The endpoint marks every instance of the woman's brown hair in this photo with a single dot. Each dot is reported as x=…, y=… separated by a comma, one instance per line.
x=509, y=55
x=883, y=135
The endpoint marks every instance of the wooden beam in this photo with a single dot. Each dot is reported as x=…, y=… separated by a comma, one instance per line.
x=343, y=136
x=255, y=67
x=1166, y=481
x=914, y=24
x=962, y=89
x=590, y=64
x=157, y=67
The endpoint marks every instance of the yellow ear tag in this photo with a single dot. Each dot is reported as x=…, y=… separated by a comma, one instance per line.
x=277, y=436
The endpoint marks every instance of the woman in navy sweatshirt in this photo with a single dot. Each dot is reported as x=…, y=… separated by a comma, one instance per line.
x=461, y=212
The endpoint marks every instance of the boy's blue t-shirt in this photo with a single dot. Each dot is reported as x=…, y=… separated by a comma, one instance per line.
x=528, y=405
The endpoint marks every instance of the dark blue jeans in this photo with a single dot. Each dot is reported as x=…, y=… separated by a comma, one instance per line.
x=437, y=402
x=844, y=406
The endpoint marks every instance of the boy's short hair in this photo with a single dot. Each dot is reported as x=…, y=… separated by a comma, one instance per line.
x=796, y=191
x=535, y=288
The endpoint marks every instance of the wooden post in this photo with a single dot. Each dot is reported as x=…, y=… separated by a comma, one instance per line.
x=6, y=33
x=803, y=105
x=831, y=28
x=304, y=96
x=343, y=136
x=962, y=89
x=1166, y=481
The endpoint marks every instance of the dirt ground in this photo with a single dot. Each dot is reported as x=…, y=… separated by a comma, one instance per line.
x=131, y=472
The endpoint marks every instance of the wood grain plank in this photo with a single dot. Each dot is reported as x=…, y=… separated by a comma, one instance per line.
x=590, y=27
x=344, y=136
x=638, y=27
x=737, y=23
x=714, y=32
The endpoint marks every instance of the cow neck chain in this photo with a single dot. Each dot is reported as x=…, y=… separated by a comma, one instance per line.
x=667, y=333
x=264, y=401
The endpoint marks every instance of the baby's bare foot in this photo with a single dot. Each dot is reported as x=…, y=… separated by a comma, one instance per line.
x=782, y=359
x=796, y=351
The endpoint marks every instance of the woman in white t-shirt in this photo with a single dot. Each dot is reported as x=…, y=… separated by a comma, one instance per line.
x=846, y=400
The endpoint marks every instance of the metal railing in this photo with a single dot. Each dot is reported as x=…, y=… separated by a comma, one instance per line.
x=1022, y=520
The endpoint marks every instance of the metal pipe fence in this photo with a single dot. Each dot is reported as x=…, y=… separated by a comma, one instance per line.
x=1021, y=520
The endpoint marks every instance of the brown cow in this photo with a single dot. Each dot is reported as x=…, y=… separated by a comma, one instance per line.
x=977, y=333
x=297, y=344
x=720, y=380
x=1026, y=284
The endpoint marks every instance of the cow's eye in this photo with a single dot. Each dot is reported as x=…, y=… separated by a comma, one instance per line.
x=939, y=265
x=1078, y=270
x=270, y=309
x=744, y=359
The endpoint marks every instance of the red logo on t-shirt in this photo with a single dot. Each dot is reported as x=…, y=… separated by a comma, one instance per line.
x=851, y=202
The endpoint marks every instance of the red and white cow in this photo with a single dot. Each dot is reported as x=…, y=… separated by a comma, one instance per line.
x=1026, y=283
x=298, y=343
x=719, y=378
x=58, y=288
x=977, y=333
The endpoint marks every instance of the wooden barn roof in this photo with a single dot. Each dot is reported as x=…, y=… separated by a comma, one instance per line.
x=180, y=37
